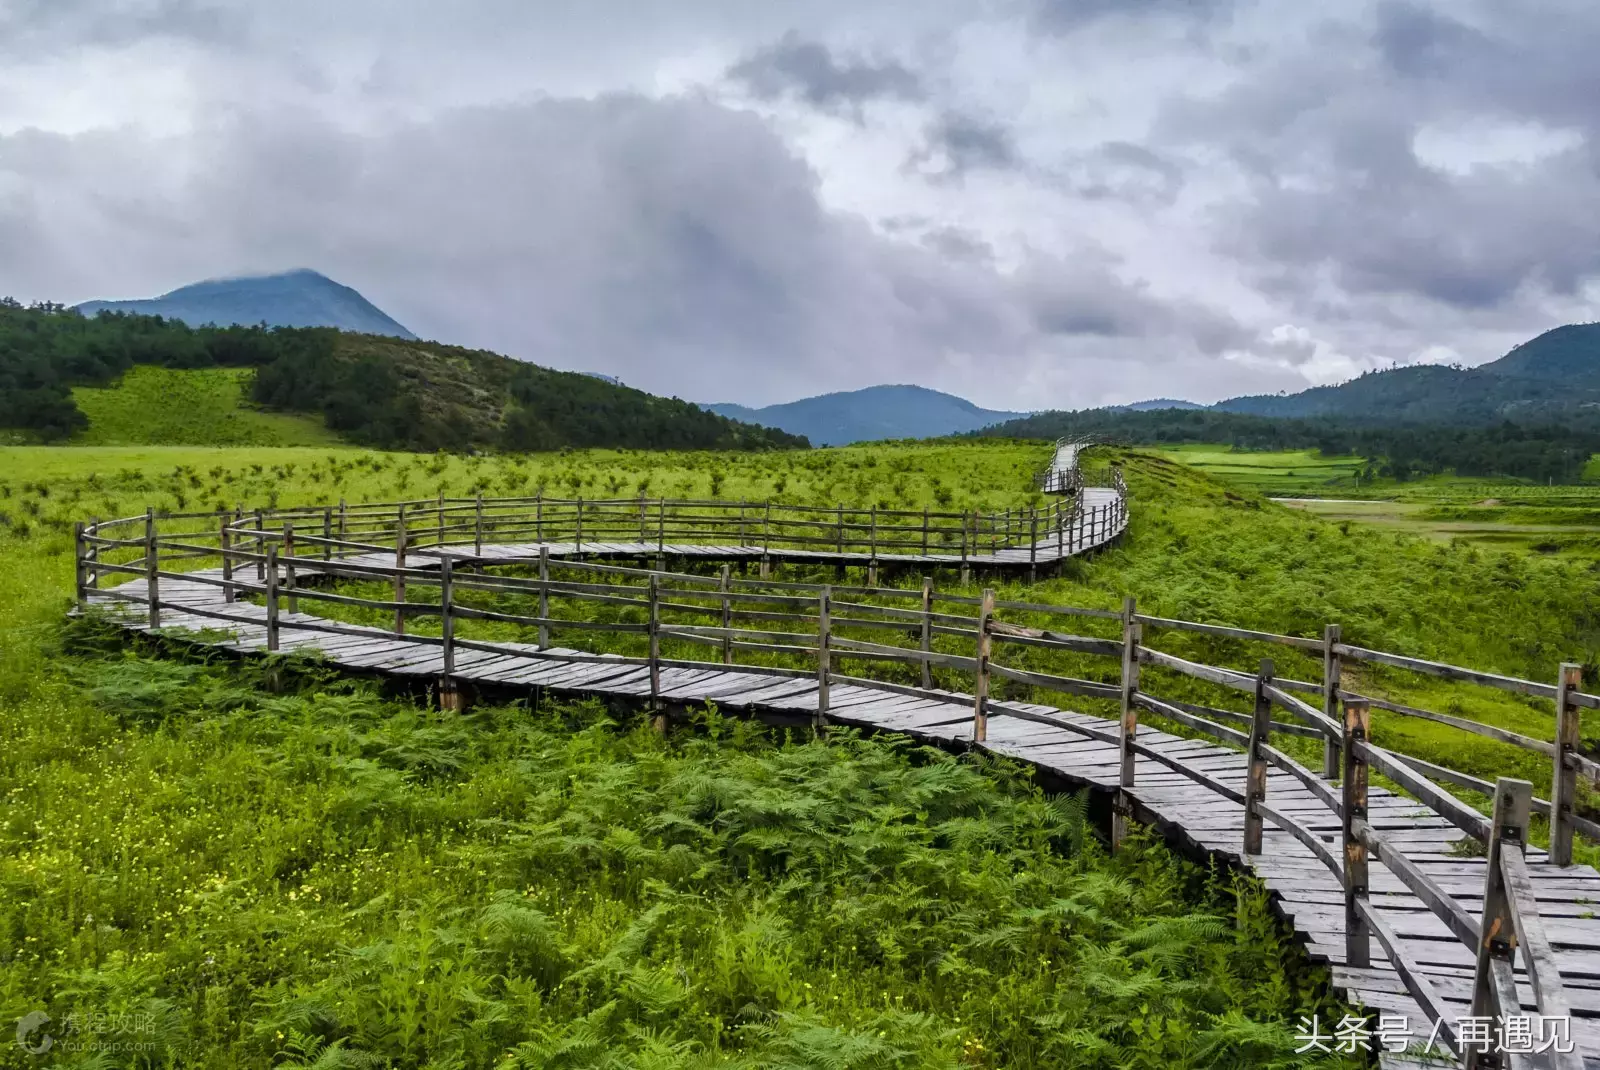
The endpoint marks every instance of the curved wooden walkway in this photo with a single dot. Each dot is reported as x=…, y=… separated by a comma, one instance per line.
x=1070, y=750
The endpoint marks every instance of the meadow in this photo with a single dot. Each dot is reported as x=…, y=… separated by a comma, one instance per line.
x=206, y=871
x=1525, y=516
x=151, y=405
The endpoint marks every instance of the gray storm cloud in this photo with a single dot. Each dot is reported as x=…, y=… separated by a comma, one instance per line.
x=1039, y=202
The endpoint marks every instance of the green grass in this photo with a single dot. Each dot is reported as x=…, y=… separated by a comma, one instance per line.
x=239, y=877
x=1509, y=516
x=191, y=407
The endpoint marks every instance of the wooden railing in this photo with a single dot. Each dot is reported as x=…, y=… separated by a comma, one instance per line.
x=442, y=594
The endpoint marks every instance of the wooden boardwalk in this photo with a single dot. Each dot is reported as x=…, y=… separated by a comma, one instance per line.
x=1077, y=751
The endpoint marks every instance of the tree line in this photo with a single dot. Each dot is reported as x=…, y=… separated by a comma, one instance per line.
x=1537, y=451
x=379, y=392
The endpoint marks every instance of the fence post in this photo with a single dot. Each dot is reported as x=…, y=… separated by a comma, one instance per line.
x=1061, y=529
x=659, y=718
x=1357, y=723
x=577, y=545
x=152, y=563
x=450, y=695
x=966, y=570
x=661, y=535
x=924, y=531
x=544, y=595
x=824, y=656
x=399, y=566
x=1255, y=787
x=80, y=566
x=1509, y=832
x=644, y=512
x=224, y=544
x=1033, y=546
x=92, y=555
x=980, y=688
x=261, y=547
x=1564, y=779
x=1128, y=730
x=766, y=541
x=344, y=517
x=1332, y=678
x=727, y=617
x=927, y=630
x=288, y=568
x=538, y=516
x=841, y=529
x=477, y=525
x=327, y=533
x=271, y=569
x=873, y=542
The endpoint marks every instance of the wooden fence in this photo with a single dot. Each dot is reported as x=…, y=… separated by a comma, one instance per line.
x=418, y=569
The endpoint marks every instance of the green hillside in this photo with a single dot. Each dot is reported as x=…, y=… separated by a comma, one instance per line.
x=153, y=406
x=369, y=390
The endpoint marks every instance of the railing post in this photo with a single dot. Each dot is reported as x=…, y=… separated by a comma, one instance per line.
x=449, y=693
x=577, y=545
x=1332, y=677
x=477, y=525
x=288, y=568
x=344, y=520
x=225, y=548
x=80, y=559
x=824, y=657
x=1564, y=779
x=1128, y=728
x=1255, y=788
x=966, y=570
x=152, y=564
x=399, y=567
x=261, y=547
x=1061, y=530
x=1356, y=719
x=270, y=567
x=92, y=553
x=873, y=536
x=538, y=516
x=661, y=535
x=1033, y=546
x=441, y=520
x=1509, y=832
x=924, y=531
x=727, y=617
x=766, y=541
x=544, y=595
x=644, y=512
x=840, y=519
x=980, y=689
x=660, y=716
x=327, y=533
x=927, y=630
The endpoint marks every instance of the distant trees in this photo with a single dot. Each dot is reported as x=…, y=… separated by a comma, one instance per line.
x=1539, y=451
x=380, y=392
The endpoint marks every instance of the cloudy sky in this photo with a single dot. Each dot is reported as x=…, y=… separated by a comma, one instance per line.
x=1032, y=203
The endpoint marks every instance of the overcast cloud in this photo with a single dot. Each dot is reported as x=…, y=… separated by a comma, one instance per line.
x=1032, y=203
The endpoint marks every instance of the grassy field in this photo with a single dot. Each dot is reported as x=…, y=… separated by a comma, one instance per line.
x=1509, y=516
x=232, y=876
x=164, y=406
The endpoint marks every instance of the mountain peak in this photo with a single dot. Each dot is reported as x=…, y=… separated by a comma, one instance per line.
x=900, y=410
x=300, y=297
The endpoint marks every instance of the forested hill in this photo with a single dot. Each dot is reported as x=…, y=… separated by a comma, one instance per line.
x=376, y=391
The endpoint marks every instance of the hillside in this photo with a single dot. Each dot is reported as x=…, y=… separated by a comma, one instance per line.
x=871, y=414
x=1555, y=376
x=365, y=389
x=300, y=298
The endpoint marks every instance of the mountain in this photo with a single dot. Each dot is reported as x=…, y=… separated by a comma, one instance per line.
x=300, y=298
x=1551, y=378
x=877, y=412
x=1155, y=404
